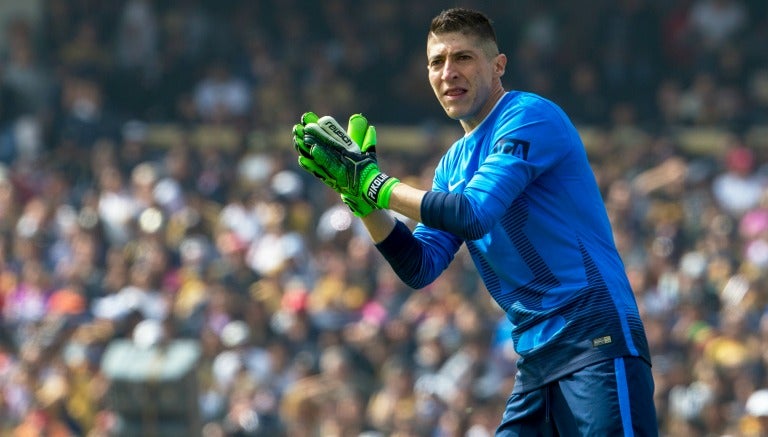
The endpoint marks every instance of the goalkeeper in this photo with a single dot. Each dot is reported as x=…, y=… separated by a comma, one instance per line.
x=518, y=190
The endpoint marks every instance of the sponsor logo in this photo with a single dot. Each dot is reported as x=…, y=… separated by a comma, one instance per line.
x=339, y=133
x=512, y=146
x=376, y=183
x=600, y=341
x=453, y=186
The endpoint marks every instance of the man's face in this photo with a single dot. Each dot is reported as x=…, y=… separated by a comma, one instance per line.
x=463, y=75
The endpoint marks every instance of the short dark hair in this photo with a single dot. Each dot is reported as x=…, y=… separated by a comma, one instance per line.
x=466, y=21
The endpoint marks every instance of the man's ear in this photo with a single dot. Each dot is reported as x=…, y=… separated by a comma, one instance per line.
x=500, y=64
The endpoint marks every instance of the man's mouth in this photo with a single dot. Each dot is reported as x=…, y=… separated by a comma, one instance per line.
x=455, y=92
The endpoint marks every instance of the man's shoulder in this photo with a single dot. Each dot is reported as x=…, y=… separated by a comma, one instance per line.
x=527, y=99
x=523, y=108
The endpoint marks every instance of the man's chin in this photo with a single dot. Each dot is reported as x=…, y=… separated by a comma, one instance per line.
x=454, y=113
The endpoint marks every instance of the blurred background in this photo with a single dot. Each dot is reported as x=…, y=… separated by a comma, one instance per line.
x=167, y=269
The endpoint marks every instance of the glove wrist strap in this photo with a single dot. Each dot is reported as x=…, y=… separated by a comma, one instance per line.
x=380, y=189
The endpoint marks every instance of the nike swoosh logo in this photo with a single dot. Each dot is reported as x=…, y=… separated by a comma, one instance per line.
x=452, y=187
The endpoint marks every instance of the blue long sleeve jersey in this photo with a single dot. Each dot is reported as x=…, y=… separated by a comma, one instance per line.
x=520, y=192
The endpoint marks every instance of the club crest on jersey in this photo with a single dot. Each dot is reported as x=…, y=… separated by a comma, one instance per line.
x=512, y=146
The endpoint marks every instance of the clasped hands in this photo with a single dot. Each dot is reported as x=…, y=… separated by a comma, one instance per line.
x=344, y=160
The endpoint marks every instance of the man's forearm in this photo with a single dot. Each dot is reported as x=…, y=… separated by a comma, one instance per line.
x=405, y=200
x=379, y=224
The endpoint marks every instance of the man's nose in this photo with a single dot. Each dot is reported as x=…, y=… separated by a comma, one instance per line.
x=449, y=70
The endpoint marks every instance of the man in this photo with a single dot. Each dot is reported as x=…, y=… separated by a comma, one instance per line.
x=518, y=190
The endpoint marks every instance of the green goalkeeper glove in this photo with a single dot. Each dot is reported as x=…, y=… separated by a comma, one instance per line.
x=360, y=132
x=343, y=165
x=305, y=156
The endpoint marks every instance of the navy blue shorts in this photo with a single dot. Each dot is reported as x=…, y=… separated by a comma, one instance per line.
x=610, y=398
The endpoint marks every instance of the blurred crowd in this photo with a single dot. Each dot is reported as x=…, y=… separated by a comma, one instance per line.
x=107, y=234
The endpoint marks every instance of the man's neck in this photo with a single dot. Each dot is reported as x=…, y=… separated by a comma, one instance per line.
x=490, y=103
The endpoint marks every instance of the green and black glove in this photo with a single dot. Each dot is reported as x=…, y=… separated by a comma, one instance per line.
x=354, y=172
x=336, y=158
x=360, y=132
x=305, y=156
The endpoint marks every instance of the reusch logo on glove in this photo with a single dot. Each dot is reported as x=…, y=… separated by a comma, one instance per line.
x=339, y=132
x=375, y=187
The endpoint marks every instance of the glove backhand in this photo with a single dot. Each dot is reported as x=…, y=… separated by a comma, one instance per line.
x=305, y=156
x=363, y=134
x=354, y=173
x=345, y=161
